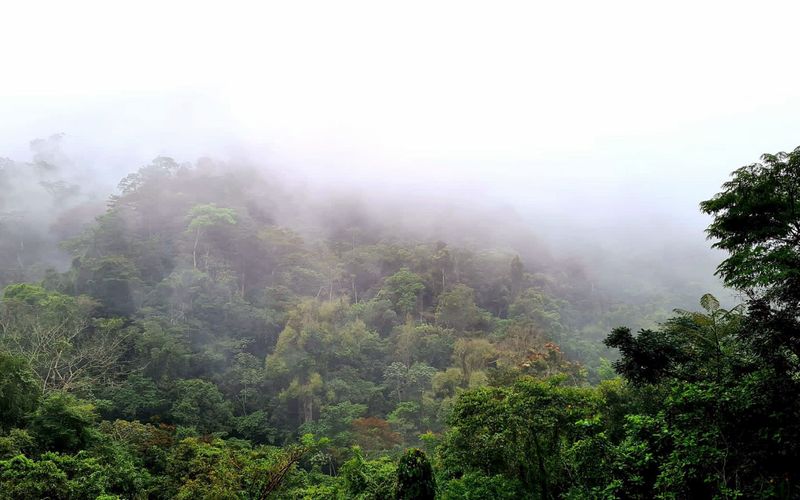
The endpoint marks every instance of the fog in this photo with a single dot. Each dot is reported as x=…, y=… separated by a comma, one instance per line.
x=587, y=131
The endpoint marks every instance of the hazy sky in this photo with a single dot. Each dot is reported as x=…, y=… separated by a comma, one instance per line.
x=625, y=113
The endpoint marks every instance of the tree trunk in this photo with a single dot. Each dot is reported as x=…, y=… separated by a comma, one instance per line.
x=194, y=250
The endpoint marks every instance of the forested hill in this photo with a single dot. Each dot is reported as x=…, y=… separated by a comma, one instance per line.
x=227, y=253
x=209, y=334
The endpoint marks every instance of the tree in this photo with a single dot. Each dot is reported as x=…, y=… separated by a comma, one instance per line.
x=111, y=280
x=535, y=307
x=203, y=217
x=63, y=423
x=457, y=310
x=476, y=486
x=689, y=346
x=218, y=469
x=415, y=479
x=136, y=398
x=757, y=220
x=522, y=432
x=396, y=378
x=516, y=276
x=472, y=355
x=374, y=434
x=199, y=404
x=647, y=357
x=424, y=343
x=58, y=338
x=688, y=445
x=369, y=479
x=19, y=391
x=335, y=422
x=721, y=414
x=307, y=394
x=405, y=381
x=403, y=289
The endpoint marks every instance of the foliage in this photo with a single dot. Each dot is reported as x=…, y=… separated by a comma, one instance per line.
x=200, y=405
x=19, y=392
x=195, y=346
x=457, y=310
x=402, y=289
x=63, y=423
x=415, y=479
x=522, y=431
x=756, y=221
x=476, y=486
x=369, y=479
x=58, y=338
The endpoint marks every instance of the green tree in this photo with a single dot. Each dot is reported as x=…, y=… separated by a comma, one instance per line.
x=408, y=382
x=415, y=479
x=472, y=355
x=201, y=405
x=219, y=469
x=335, y=422
x=422, y=343
x=535, y=307
x=63, y=423
x=757, y=221
x=476, y=486
x=457, y=310
x=523, y=432
x=19, y=391
x=204, y=217
x=369, y=479
x=57, y=336
x=137, y=397
x=403, y=289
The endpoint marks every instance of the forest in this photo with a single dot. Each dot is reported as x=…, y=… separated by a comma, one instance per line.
x=204, y=332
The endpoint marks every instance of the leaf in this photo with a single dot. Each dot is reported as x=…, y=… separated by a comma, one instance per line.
x=709, y=303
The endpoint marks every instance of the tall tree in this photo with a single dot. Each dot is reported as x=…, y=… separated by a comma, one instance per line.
x=204, y=217
x=757, y=221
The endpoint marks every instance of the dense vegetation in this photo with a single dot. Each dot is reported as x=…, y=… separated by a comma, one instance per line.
x=196, y=347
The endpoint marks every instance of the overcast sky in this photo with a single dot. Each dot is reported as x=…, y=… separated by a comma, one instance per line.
x=617, y=114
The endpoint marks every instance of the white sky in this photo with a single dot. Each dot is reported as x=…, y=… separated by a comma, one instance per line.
x=613, y=109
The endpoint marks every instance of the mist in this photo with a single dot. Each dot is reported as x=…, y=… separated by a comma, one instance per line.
x=632, y=224
x=595, y=148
